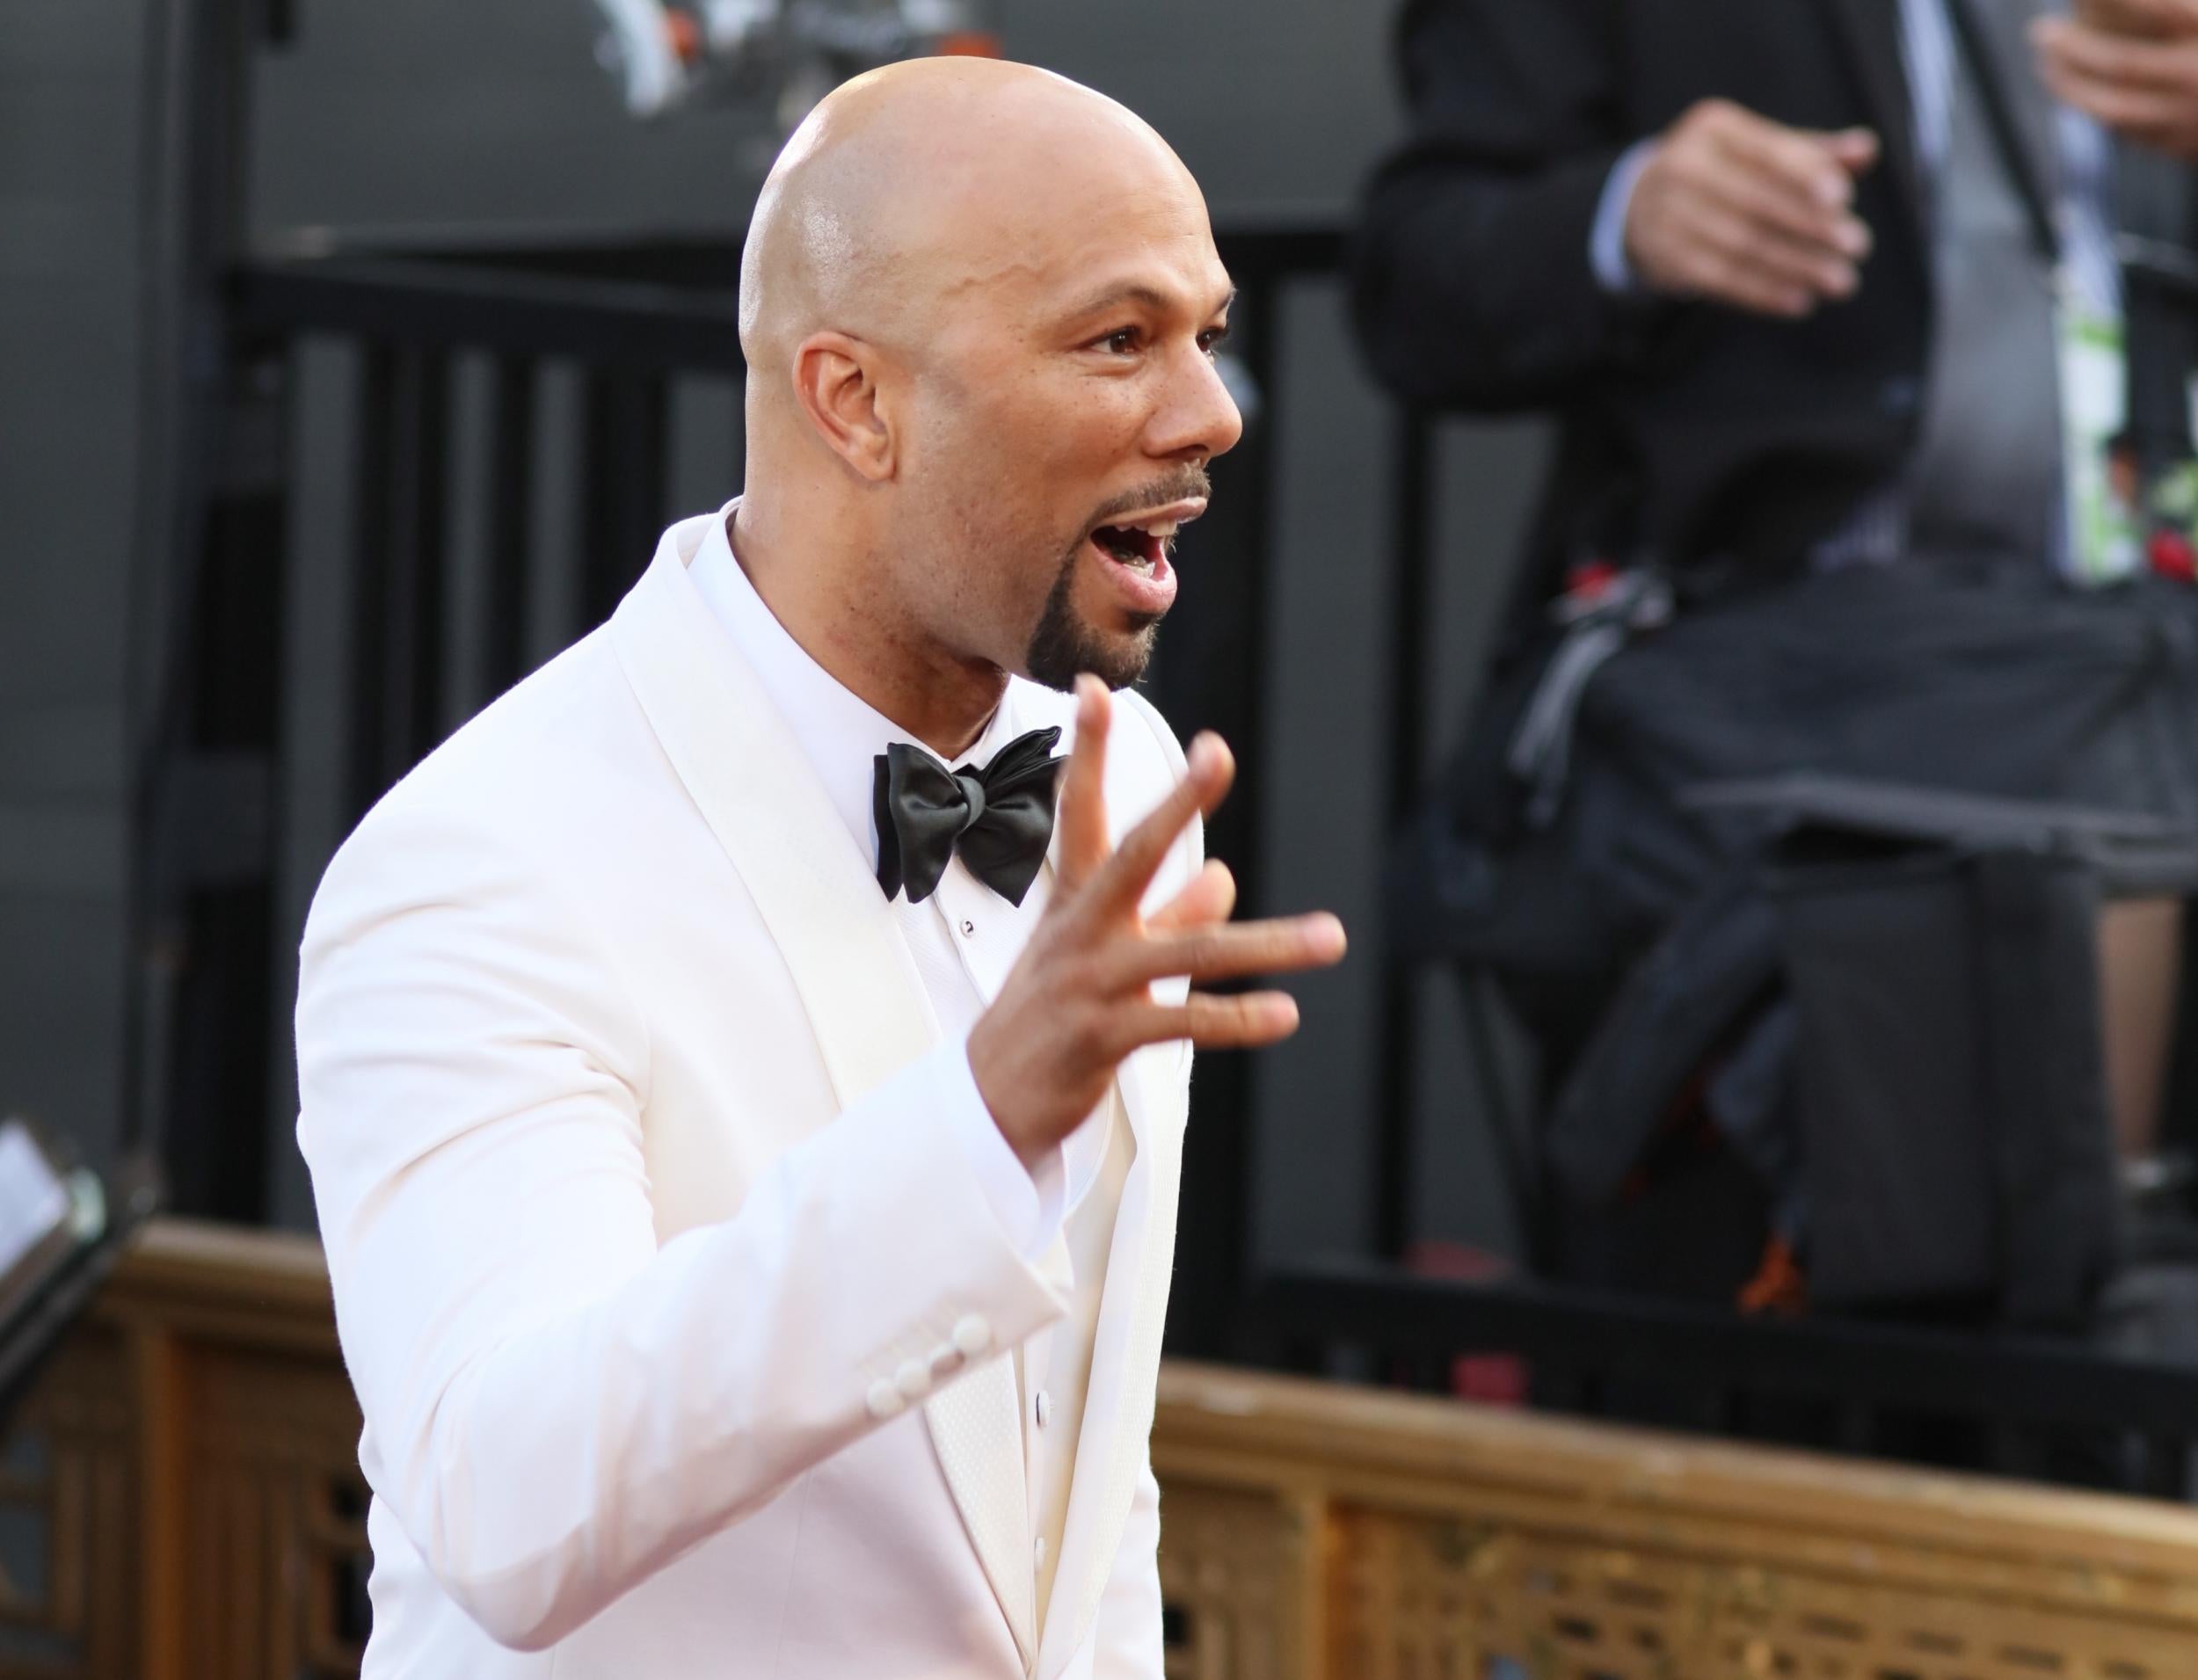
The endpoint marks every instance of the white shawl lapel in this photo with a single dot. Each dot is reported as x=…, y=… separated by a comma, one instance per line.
x=858, y=985
x=1111, y=1451
x=1119, y=1402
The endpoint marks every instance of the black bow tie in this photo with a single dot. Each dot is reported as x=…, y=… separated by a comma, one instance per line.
x=999, y=818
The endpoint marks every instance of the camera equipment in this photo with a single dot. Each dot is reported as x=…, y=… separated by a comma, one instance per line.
x=788, y=54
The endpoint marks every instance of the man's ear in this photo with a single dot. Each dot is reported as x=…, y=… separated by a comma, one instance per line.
x=835, y=381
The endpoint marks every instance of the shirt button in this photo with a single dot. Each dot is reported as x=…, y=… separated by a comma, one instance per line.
x=1044, y=1408
x=969, y=928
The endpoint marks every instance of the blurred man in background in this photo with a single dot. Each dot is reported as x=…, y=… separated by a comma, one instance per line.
x=1825, y=301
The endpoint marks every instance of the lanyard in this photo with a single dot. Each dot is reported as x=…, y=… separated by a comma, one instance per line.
x=2015, y=155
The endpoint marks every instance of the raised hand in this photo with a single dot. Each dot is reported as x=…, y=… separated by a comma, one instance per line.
x=1080, y=999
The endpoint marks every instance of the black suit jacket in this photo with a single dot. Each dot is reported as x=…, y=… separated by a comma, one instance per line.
x=1722, y=442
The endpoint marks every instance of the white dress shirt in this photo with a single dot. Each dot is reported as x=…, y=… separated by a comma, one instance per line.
x=964, y=939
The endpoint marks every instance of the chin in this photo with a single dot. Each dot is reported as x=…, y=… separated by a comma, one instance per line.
x=1061, y=654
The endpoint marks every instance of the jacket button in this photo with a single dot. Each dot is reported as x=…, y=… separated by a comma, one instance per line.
x=912, y=1379
x=884, y=1399
x=973, y=1336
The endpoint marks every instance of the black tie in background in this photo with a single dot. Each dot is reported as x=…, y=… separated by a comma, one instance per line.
x=999, y=818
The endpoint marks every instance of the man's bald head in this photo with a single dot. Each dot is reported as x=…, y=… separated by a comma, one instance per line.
x=921, y=181
x=979, y=305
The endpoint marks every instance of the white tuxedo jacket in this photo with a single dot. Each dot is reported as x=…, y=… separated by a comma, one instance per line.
x=677, y=1315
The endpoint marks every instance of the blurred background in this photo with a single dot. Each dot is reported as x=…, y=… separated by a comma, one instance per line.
x=420, y=125
x=352, y=356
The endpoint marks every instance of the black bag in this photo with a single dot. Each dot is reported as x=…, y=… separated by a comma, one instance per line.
x=1940, y=957
x=1950, y=1082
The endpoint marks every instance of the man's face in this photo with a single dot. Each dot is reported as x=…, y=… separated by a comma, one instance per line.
x=1063, y=421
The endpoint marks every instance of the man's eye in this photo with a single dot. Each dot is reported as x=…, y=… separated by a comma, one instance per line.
x=1212, y=339
x=1121, y=343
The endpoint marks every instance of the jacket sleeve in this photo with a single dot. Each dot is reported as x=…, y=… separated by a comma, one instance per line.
x=557, y=1406
x=1473, y=284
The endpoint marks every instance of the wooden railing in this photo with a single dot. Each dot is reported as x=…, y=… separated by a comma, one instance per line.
x=1318, y=1532
x=179, y=1501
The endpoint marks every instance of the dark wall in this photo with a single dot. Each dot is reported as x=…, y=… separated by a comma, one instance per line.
x=69, y=173
x=414, y=112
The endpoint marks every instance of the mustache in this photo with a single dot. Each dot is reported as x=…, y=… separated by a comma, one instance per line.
x=1180, y=486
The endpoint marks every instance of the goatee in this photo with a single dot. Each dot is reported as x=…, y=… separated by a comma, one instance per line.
x=1064, y=647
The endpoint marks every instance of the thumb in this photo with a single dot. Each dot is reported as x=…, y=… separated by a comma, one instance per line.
x=1854, y=149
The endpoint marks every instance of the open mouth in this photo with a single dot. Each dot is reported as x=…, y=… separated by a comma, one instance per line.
x=1136, y=551
x=1142, y=551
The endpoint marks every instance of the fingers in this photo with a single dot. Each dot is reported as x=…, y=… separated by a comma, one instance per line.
x=1284, y=945
x=2140, y=18
x=2156, y=118
x=2096, y=57
x=1122, y=882
x=1770, y=203
x=1719, y=258
x=1751, y=212
x=1210, y=898
x=1800, y=163
x=1081, y=821
x=1856, y=148
x=1244, y=1020
x=2146, y=89
x=1744, y=262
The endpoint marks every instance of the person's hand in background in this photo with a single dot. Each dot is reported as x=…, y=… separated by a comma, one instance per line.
x=2133, y=64
x=1740, y=210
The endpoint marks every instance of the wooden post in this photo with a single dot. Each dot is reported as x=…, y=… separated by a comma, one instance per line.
x=162, y=1406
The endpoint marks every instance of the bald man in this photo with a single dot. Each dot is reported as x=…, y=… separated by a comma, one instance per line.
x=744, y=1113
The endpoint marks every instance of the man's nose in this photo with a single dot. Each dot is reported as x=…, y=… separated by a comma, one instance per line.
x=1199, y=418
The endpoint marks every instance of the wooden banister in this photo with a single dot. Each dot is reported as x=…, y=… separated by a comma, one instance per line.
x=179, y=1498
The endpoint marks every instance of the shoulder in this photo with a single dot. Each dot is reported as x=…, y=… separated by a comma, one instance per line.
x=508, y=795
x=1131, y=708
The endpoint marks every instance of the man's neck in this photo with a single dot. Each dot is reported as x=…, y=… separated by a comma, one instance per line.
x=943, y=701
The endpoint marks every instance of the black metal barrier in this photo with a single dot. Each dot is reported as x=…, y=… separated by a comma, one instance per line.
x=2023, y=1406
